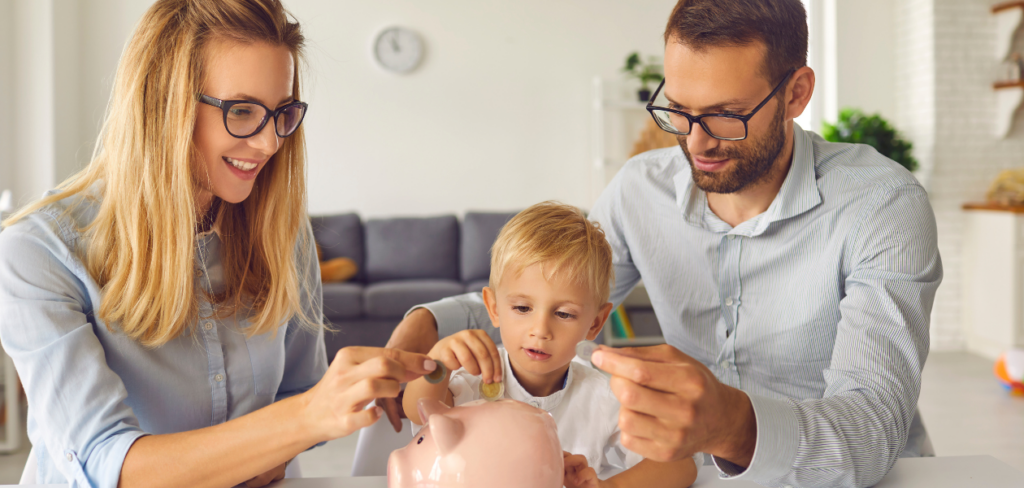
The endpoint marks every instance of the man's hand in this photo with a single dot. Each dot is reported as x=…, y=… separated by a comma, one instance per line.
x=415, y=333
x=578, y=474
x=673, y=406
x=265, y=479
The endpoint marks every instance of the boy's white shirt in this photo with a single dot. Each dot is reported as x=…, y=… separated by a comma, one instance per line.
x=585, y=411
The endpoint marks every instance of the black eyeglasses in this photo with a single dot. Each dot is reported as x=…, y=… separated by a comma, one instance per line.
x=246, y=118
x=725, y=127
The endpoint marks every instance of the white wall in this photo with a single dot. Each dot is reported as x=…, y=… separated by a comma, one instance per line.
x=6, y=93
x=864, y=57
x=497, y=117
x=33, y=141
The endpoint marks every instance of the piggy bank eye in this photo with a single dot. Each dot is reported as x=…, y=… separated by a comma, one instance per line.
x=420, y=441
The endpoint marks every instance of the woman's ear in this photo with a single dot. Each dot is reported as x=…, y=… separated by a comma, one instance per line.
x=491, y=302
x=602, y=317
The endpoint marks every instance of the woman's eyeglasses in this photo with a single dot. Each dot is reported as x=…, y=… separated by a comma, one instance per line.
x=246, y=118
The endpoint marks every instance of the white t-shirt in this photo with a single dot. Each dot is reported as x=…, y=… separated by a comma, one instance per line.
x=585, y=411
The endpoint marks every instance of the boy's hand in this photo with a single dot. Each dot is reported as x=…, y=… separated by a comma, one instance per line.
x=578, y=474
x=470, y=349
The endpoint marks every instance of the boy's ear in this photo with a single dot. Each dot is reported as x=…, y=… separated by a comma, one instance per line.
x=602, y=317
x=491, y=302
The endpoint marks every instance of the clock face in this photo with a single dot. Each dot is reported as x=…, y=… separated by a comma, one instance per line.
x=398, y=49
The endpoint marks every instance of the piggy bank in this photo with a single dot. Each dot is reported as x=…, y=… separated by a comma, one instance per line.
x=500, y=444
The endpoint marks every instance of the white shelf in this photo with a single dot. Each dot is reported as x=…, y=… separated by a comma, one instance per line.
x=1008, y=95
x=635, y=342
x=1008, y=17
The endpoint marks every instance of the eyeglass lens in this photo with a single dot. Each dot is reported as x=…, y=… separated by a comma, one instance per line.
x=724, y=127
x=244, y=119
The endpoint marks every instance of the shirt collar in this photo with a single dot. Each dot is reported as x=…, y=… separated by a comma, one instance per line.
x=799, y=192
x=515, y=391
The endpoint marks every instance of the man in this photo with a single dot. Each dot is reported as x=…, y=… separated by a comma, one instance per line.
x=793, y=278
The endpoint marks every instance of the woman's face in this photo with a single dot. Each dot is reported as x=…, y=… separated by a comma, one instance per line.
x=234, y=71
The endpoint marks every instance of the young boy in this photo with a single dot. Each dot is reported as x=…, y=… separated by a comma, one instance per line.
x=551, y=271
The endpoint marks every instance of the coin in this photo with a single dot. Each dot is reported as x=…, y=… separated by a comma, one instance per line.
x=585, y=349
x=492, y=391
x=438, y=375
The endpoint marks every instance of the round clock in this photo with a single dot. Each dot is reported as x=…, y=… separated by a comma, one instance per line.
x=398, y=49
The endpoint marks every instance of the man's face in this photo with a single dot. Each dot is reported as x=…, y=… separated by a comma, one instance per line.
x=725, y=80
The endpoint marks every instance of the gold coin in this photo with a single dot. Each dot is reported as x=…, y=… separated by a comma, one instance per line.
x=492, y=391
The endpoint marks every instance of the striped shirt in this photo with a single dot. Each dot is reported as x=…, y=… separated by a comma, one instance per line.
x=818, y=308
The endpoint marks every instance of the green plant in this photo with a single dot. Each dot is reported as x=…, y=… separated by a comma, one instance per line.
x=649, y=72
x=873, y=130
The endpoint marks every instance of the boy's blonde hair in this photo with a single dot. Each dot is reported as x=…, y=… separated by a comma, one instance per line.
x=559, y=238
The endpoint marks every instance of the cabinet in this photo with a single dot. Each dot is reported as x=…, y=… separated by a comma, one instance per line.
x=645, y=324
x=618, y=118
x=993, y=279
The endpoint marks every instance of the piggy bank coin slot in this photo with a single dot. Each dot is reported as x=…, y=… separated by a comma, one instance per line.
x=420, y=441
x=438, y=375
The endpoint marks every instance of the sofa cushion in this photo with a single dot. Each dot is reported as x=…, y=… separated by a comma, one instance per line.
x=343, y=300
x=391, y=299
x=479, y=230
x=476, y=286
x=341, y=236
x=412, y=248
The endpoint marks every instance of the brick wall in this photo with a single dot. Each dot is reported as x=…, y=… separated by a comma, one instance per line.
x=945, y=104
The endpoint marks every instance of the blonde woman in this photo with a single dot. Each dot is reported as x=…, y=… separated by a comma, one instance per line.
x=162, y=307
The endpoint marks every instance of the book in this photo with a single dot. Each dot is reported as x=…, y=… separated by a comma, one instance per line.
x=627, y=327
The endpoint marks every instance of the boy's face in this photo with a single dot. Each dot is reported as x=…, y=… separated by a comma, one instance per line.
x=542, y=320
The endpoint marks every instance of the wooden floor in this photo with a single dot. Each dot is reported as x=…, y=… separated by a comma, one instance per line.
x=964, y=409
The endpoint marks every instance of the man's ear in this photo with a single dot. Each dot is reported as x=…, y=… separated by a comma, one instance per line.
x=602, y=317
x=491, y=302
x=798, y=95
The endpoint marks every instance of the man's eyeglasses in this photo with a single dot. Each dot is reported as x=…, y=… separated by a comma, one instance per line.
x=726, y=127
x=246, y=118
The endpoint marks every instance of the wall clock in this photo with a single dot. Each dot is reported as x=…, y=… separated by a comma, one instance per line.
x=398, y=49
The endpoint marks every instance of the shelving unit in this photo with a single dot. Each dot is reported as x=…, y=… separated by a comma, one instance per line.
x=617, y=121
x=1008, y=94
x=648, y=331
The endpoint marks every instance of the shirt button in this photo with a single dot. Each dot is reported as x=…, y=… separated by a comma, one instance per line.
x=535, y=404
x=218, y=378
x=70, y=457
x=208, y=326
x=728, y=302
x=732, y=237
x=199, y=273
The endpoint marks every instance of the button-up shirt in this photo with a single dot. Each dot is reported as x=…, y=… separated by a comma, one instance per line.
x=92, y=391
x=817, y=308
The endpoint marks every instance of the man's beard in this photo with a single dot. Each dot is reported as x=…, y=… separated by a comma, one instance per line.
x=752, y=165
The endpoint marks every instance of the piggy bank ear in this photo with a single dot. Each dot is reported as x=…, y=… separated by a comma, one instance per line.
x=446, y=431
x=428, y=406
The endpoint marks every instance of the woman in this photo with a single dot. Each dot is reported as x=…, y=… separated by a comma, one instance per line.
x=163, y=306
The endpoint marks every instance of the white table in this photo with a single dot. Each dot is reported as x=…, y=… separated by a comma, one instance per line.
x=937, y=472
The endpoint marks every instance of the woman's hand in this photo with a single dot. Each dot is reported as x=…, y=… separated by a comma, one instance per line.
x=335, y=406
x=471, y=349
x=578, y=474
x=265, y=479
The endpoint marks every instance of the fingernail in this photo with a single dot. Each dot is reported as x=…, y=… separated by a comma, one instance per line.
x=429, y=365
x=377, y=411
x=597, y=358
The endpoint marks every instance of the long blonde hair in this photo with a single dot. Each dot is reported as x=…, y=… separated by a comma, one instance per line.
x=141, y=247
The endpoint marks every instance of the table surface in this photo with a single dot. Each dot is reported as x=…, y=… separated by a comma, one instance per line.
x=936, y=472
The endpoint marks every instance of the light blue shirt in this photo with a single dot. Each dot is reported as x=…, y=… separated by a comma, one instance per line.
x=93, y=392
x=818, y=308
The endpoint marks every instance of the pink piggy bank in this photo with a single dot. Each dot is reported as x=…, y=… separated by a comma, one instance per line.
x=501, y=444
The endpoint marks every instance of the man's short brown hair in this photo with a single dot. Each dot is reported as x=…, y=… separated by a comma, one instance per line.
x=781, y=25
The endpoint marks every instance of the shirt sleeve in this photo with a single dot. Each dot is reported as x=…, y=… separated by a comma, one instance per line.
x=854, y=434
x=461, y=312
x=305, y=353
x=608, y=212
x=85, y=424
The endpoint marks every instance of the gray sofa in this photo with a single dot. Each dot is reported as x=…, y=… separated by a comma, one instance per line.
x=402, y=262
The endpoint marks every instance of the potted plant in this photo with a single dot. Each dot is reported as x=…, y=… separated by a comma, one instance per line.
x=854, y=126
x=647, y=73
